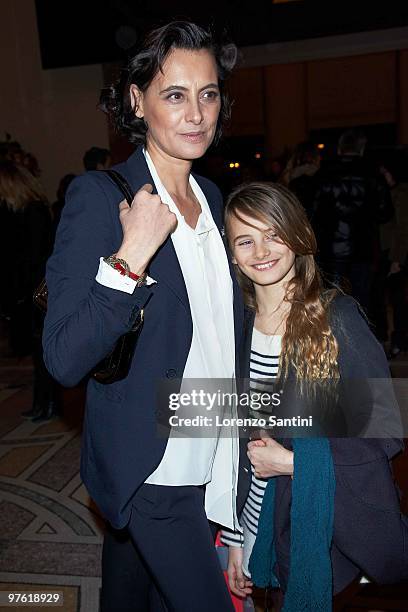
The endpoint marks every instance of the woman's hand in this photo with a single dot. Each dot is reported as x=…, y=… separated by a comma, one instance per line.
x=269, y=458
x=146, y=225
x=239, y=584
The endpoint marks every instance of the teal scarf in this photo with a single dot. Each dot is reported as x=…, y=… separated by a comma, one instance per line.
x=309, y=586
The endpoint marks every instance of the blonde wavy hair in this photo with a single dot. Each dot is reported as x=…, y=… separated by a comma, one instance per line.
x=308, y=344
x=18, y=187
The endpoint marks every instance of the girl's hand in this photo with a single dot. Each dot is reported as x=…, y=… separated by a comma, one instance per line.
x=239, y=584
x=269, y=458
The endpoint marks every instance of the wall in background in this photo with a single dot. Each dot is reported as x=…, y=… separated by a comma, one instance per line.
x=298, y=97
x=51, y=112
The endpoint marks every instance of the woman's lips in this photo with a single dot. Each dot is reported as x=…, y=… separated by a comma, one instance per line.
x=193, y=136
x=267, y=265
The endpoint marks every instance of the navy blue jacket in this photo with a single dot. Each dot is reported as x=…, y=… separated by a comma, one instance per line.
x=120, y=444
x=370, y=534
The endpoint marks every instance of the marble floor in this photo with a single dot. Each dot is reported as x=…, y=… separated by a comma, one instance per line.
x=50, y=532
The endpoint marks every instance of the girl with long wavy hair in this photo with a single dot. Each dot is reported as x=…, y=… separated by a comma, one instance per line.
x=311, y=501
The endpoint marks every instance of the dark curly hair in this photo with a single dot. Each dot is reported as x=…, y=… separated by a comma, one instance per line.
x=146, y=63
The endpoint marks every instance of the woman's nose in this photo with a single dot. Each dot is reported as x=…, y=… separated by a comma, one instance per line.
x=194, y=112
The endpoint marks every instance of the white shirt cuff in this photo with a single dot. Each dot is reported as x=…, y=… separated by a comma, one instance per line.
x=109, y=277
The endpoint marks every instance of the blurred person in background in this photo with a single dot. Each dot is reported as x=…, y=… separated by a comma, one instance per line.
x=59, y=204
x=11, y=150
x=97, y=159
x=394, y=243
x=351, y=202
x=300, y=174
x=30, y=162
x=25, y=234
x=275, y=167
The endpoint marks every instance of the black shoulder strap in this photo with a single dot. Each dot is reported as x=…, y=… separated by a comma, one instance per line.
x=122, y=185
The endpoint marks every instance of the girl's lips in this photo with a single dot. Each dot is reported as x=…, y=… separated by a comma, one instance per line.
x=266, y=265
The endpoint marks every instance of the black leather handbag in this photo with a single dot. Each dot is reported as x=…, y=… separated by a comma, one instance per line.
x=116, y=365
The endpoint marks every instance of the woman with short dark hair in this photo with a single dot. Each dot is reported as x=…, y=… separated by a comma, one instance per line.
x=148, y=61
x=171, y=100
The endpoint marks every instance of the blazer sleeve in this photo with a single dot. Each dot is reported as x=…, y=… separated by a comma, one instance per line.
x=84, y=318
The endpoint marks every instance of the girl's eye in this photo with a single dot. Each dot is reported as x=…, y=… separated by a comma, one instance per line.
x=271, y=236
x=245, y=243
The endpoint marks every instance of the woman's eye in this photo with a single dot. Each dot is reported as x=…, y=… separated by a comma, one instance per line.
x=175, y=96
x=211, y=95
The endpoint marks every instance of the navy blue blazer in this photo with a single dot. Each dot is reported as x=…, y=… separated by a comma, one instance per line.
x=370, y=534
x=120, y=444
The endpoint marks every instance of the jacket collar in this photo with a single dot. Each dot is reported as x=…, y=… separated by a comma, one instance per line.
x=139, y=174
x=165, y=266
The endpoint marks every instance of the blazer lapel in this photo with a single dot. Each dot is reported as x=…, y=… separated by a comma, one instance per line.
x=245, y=352
x=164, y=266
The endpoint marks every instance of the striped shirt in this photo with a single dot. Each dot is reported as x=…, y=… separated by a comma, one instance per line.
x=264, y=364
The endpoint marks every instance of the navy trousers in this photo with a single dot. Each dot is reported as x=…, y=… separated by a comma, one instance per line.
x=170, y=563
x=127, y=584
